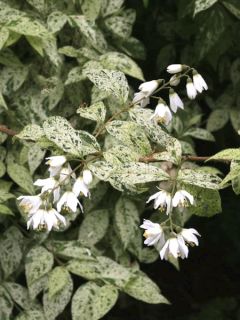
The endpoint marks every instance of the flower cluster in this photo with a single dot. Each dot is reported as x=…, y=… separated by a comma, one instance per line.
x=163, y=114
x=155, y=234
x=61, y=190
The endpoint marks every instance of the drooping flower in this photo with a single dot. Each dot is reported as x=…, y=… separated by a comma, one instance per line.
x=174, y=246
x=55, y=164
x=175, y=101
x=199, y=82
x=146, y=89
x=189, y=235
x=65, y=174
x=153, y=233
x=162, y=114
x=182, y=198
x=30, y=204
x=174, y=80
x=45, y=219
x=49, y=184
x=191, y=90
x=87, y=176
x=80, y=187
x=161, y=199
x=175, y=68
x=70, y=201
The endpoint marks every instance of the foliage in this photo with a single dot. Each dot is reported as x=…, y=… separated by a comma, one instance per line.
x=68, y=71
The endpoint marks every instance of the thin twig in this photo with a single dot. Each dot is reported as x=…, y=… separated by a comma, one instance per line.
x=6, y=130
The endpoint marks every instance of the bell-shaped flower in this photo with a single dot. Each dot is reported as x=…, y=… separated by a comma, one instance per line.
x=163, y=200
x=162, y=114
x=174, y=80
x=45, y=219
x=175, y=68
x=51, y=185
x=80, y=187
x=189, y=235
x=30, y=204
x=55, y=164
x=175, y=101
x=70, y=201
x=182, y=198
x=176, y=247
x=191, y=90
x=199, y=82
x=65, y=174
x=87, y=176
x=153, y=233
x=141, y=99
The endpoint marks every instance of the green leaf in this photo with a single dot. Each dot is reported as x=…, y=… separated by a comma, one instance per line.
x=114, y=272
x=11, y=250
x=235, y=119
x=111, y=6
x=130, y=134
x=57, y=280
x=20, y=295
x=204, y=180
x=143, y=288
x=37, y=286
x=217, y=119
x=88, y=269
x=91, y=8
x=207, y=202
x=21, y=176
x=120, y=61
x=28, y=27
x=101, y=169
x=201, y=5
x=233, y=6
x=2, y=169
x=31, y=315
x=92, y=301
x=93, y=227
x=39, y=262
x=200, y=133
x=227, y=154
x=113, y=82
x=126, y=219
x=95, y=112
x=71, y=249
x=6, y=304
x=5, y=210
x=38, y=4
x=234, y=172
x=54, y=305
x=31, y=132
x=120, y=154
x=4, y=34
x=92, y=35
x=121, y=25
x=4, y=195
x=35, y=157
x=75, y=142
x=37, y=44
x=75, y=75
x=56, y=20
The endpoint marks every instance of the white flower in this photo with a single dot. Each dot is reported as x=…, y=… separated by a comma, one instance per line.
x=87, y=176
x=80, y=187
x=175, y=101
x=162, y=114
x=141, y=99
x=182, y=199
x=174, y=80
x=199, y=82
x=191, y=90
x=153, y=233
x=45, y=219
x=69, y=200
x=176, y=247
x=49, y=184
x=56, y=161
x=174, y=68
x=146, y=89
x=161, y=199
x=189, y=235
x=65, y=174
x=30, y=204
x=55, y=164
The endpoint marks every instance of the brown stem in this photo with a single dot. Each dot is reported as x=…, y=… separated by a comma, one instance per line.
x=5, y=129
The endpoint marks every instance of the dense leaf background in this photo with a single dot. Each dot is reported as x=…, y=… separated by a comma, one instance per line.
x=46, y=62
